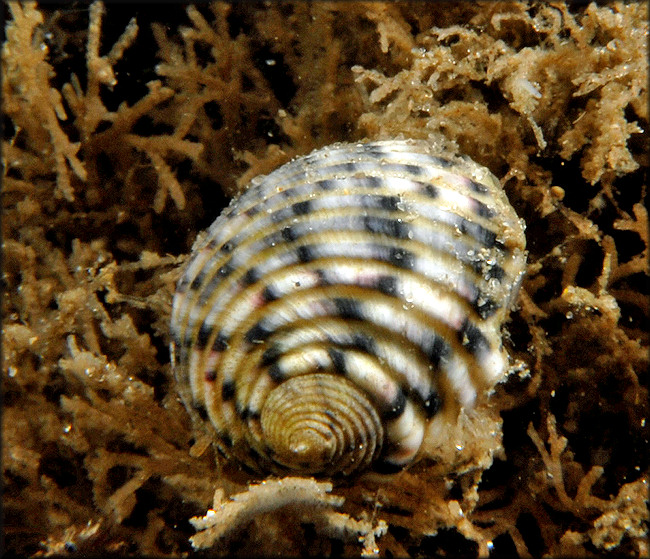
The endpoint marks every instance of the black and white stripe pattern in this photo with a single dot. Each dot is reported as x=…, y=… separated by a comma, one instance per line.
x=345, y=301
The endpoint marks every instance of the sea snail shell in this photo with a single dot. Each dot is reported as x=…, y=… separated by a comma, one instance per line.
x=344, y=303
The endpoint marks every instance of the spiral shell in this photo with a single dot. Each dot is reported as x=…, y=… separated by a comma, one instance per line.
x=343, y=302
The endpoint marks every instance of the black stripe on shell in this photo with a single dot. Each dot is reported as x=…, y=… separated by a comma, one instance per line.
x=242, y=411
x=227, y=247
x=483, y=210
x=225, y=270
x=257, y=333
x=289, y=233
x=395, y=408
x=432, y=404
x=253, y=415
x=228, y=390
x=348, y=308
x=496, y=272
x=221, y=342
x=338, y=360
x=436, y=349
x=306, y=253
x=364, y=342
x=271, y=355
x=270, y=294
x=198, y=280
x=485, y=307
x=203, y=335
x=301, y=208
x=431, y=191
x=349, y=167
x=393, y=228
x=388, y=203
x=251, y=276
x=401, y=258
x=373, y=182
x=401, y=169
x=477, y=186
x=326, y=184
x=493, y=271
x=440, y=162
x=375, y=152
x=415, y=170
x=486, y=237
x=200, y=410
x=276, y=374
x=472, y=338
x=387, y=285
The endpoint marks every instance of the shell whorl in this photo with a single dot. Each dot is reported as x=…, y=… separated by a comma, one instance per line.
x=344, y=301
